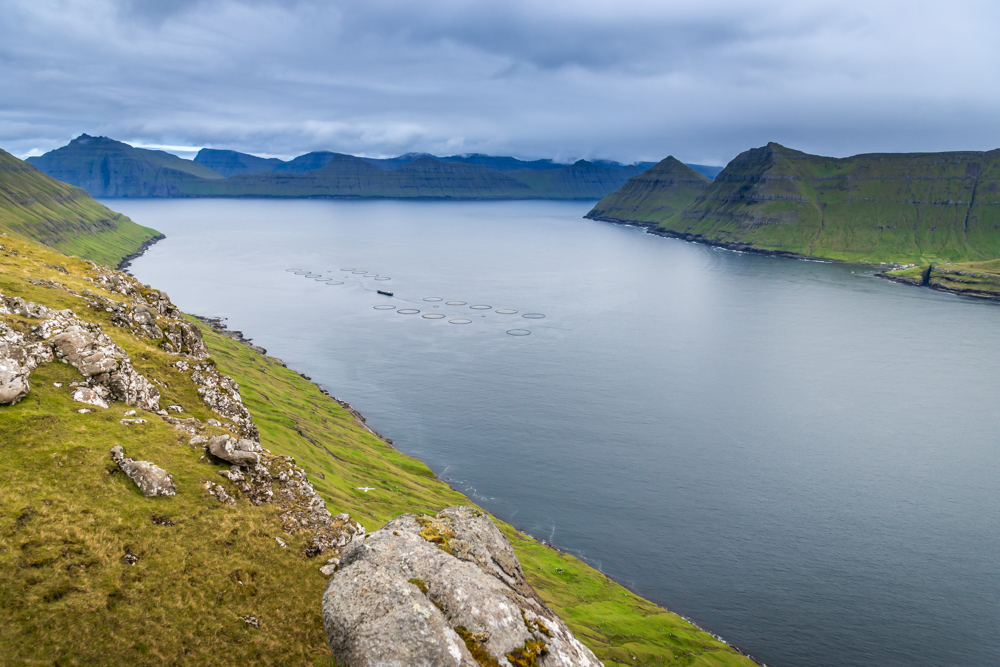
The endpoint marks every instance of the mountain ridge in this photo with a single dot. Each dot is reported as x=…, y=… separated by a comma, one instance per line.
x=108, y=168
x=870, y=208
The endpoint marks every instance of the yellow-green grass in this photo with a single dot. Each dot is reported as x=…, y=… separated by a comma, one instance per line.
x=980, y=279
x=39, y=208
x=67, y=520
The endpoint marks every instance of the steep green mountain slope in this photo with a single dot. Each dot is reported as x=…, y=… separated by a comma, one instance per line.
x=93, y=572
x=108, y=168
x=654, y=196
x=37, y=207
x=232, y=163
x=914, y=207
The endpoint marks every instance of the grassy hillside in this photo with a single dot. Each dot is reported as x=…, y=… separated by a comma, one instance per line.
x=68, y=594
x=37, y=207
x=654, y=197
x=108, y=168
x=896, y=208
x=978, y=279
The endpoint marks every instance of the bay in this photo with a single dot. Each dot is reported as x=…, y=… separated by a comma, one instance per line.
x=798, y=456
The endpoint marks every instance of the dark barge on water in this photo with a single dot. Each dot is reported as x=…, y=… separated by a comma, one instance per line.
x=384, y=292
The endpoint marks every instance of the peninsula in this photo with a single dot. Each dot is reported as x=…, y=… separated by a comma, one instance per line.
x=908, y=210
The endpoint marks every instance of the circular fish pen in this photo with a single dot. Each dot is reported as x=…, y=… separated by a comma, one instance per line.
x=370, y=275
x=455, y=303
x=505, y=311
x=518, y=332
x=481, y=306
x=347, y=269
x=383, y=278
x=335, y=282
x=293, y=270
x=359, y=272
x=433, y=316
x=407, y=311
x=384, y=306
x=460, y=320
x=433, y=298
x=533, y=316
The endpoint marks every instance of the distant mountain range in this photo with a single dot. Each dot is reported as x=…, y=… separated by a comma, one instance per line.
x=108, y=168
x=882, y=207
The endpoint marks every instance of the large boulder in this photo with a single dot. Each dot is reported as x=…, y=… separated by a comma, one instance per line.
x=240, y=452
x=151, y=479
x=443, y=590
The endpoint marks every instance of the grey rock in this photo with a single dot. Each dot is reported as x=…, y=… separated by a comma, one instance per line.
x=89, y=396
x=469, y=578
x=13, y=381
x=151, y=479
x=219, y=493
x=240, y=452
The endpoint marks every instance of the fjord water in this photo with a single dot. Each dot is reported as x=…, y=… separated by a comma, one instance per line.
x=800, y=457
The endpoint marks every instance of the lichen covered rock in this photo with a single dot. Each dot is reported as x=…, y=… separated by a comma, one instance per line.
x=151, y=479
x=443, y=590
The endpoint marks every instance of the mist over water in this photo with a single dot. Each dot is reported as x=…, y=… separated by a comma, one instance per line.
x=798, y=456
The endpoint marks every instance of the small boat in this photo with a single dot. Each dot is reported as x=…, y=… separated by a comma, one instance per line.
x=384, y=292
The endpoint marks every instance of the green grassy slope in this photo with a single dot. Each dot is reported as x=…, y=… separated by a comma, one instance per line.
x=901, y=208
x=654, y=196
x=37, y=207
x=978, y=279
x=66, y=521
x=108, y=168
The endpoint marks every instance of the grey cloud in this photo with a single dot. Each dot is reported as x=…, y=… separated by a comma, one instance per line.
x=618, y=80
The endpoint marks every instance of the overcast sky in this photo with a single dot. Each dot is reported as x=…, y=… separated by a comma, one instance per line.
x=561, y=79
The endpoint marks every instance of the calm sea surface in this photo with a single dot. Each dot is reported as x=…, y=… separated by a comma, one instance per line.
x=798, y=456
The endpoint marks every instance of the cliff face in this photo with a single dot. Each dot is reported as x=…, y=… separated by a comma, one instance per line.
x=918, y=207
x=37, y=207
x=231, y=163
x=582, y=180
x=653, y=197
x=108, y=168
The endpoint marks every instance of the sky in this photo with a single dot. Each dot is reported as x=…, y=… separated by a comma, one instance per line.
x=612, y=79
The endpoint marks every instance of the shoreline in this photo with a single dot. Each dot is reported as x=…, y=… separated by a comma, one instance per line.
x=146, y=245
x=651, y=228
x=218, y=325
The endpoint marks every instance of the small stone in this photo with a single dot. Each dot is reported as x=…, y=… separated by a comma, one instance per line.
x=89, y=396
x=129, y=422
x=213, y=422
x=251, y=621
x=57, y=384
x=130, y=559
x=197, y=440
x=129, y=413
x=84, y=411
x=328, y=570
x=281, y=542
x=175, y=408
x=162, y=413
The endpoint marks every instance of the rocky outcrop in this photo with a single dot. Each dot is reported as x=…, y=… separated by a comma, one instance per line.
x=64, y=336
x=444, y=590
x=222, y=394
x=151, y=479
